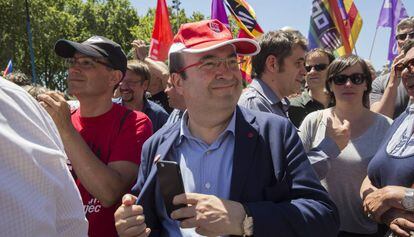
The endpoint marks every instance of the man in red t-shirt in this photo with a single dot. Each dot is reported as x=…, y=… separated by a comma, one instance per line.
x=102, y=140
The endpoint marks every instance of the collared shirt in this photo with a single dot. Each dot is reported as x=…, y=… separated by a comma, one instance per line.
x=38, y=194
x=259, y=96
x=175, y=116
x=155, y=112
x=205, y=168
x=402, y=142
x=301, y=106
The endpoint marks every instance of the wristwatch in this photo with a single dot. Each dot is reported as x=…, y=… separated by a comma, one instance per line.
x=247, y=222
x=408, y=200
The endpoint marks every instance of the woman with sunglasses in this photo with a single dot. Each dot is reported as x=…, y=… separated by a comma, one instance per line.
x=388, y=190
x=349, y=84
x=314, y=97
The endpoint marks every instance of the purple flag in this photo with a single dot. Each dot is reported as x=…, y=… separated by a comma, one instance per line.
x=392, y=12
x=219, y=12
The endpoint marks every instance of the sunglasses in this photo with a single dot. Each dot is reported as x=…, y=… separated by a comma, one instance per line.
x=356, y=79
x=317, y=67
x=405, y=65
x=403, y=36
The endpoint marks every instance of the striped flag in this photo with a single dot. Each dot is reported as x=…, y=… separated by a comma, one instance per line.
x=249, y=28
x=8, y=69
x=334, y=25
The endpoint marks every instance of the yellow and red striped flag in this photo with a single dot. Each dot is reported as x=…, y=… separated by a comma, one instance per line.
x=245, y=17
x=335, y=25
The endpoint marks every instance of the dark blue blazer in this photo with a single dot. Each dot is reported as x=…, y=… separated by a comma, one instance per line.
x=271, y=175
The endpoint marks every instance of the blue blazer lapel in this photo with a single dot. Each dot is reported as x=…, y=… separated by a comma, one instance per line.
x=244, y=148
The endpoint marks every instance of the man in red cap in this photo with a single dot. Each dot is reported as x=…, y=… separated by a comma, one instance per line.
x=103, y=140
x=244, y=172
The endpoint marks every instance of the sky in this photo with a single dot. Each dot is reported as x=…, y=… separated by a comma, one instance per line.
x=275, y=14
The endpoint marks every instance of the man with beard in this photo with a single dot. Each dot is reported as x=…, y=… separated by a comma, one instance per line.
x=133, y=94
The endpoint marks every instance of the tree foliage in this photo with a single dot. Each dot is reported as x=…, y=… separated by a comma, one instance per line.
x=70, y=19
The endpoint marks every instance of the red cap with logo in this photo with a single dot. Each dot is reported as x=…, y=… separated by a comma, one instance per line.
x=202, y=36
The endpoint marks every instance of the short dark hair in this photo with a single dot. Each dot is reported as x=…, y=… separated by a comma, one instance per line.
x=319, y=51
x=139, y=68
x=278, y=43
x=342, y=63
x=405, y=23
x=176, y=63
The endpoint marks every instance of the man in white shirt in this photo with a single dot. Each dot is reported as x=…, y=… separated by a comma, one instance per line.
x=38, y=195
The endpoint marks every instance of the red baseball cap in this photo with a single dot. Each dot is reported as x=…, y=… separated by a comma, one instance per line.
x=202, y=36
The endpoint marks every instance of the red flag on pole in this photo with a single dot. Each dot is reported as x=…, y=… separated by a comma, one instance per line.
x=162, y=34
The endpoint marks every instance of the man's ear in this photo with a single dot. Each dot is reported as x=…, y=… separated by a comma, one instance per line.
x=271, y=63
x=145, y=84
x=177, y=81
x=116, y=77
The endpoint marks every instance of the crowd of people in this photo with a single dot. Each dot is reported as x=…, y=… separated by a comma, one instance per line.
x=313, y=146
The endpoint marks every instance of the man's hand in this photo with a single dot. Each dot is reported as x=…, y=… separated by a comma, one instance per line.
x=395, y=74
x=210, y=215
x=129, y=218
x=339, y=132
x=140, y=49
x=381, y=200
x=57, y=107
x=400, y=222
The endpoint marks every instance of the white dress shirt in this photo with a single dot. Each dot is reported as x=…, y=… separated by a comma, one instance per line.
x=38, y=196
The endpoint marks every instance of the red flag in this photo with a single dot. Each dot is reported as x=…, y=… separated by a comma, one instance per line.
x=162, y=34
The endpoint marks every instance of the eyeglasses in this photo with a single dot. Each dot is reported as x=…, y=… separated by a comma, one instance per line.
x=210, y=64
x=318, y=67
x=85, y=62
x=131, y=83
x=403, y=36
x=405, y=65
x=356, y=79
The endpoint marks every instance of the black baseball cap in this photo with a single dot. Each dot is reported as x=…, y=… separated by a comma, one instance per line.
x=96, y=46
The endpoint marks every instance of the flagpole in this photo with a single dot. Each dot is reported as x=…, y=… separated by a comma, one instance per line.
x=29, y=34
x=373, y=41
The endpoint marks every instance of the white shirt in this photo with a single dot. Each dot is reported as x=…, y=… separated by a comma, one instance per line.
x=38, y=196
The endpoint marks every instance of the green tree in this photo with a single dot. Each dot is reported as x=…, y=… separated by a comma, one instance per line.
x=76, y=20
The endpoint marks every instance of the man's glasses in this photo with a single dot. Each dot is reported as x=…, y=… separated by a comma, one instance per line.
x=403, y=36
x=405, y=65
x=210, y=64
x=318, y=67
x=85, y=62
x=132, y=83
x=356, y=79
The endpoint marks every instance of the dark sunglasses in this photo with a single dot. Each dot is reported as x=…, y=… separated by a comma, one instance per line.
x=405, y=65
x=356, y=79
x=317, y=67
x=403, y=36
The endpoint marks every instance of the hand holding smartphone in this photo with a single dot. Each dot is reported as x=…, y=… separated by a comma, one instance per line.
x=171, y=183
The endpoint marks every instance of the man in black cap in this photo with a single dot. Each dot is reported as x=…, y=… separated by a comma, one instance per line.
x=102, y=140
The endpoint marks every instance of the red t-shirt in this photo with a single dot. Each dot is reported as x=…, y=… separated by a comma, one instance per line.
x=117, y=135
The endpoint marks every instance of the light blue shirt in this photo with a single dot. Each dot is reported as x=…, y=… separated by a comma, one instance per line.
x=259, y=96
x=205, y=168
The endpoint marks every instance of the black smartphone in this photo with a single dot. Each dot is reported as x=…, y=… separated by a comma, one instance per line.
x=171, y=184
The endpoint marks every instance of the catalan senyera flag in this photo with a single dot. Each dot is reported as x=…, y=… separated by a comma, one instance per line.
x=245, y=17
x=334, y=25
x=162, y=36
